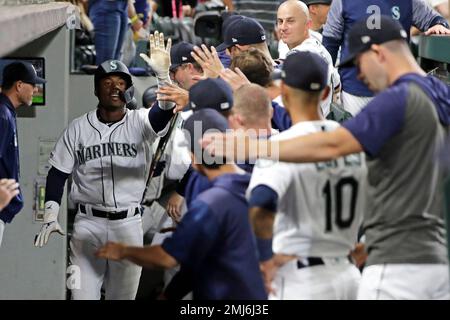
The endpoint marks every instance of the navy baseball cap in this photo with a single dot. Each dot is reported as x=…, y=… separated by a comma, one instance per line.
x=308, y=2
x=21, y=71
x=211, y=93
x=361, y=37
x=228, y=19
x=242, y=31
x=303, y=70
x=181, y=54
x=210, y=120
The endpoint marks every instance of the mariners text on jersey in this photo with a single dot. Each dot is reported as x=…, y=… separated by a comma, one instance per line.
x=121, y=149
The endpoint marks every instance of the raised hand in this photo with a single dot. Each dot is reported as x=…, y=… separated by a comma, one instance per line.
x=235, y=79
x=159, y=55
x=208, y=60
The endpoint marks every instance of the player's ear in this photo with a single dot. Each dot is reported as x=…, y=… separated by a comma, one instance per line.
x=325, y=93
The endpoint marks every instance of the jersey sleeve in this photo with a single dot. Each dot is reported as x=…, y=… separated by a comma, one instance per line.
x=424, y=17
x=273, y=174
x=194, y=236
x=141, y=116
x=63, y=155
x=333, y=29
x=381, y=119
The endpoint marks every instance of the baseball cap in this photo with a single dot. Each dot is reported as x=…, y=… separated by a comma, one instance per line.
x=211, y=93
x=181, y=54
x=242, y=31
x=21, y=71
x=228, y=19
x=210, y=120
x=361, y=37
x=303, y=70
x=308, y=2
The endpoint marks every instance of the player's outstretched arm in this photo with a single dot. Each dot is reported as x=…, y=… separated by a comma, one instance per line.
x=148, y=256
x=321, y=146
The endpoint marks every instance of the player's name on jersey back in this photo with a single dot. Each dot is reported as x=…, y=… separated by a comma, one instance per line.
x=352, y=160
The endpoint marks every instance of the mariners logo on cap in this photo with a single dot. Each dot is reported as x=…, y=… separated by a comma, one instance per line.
x=113, y=65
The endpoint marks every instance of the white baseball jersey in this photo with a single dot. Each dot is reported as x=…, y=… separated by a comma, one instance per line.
x=319, y=204
x=334, y=80
x=108, y=163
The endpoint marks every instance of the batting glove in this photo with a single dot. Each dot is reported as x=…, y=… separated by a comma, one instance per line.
x=50, y=224
x=159, y=59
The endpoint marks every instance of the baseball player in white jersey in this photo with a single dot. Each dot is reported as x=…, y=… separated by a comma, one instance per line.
x=293, y=22
x=104, y=151
x=318, y=206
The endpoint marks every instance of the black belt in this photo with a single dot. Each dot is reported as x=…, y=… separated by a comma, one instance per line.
x=311, y=261
x=110, y=215
x=314, y=261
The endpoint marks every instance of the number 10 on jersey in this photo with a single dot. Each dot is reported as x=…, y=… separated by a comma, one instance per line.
x=335, y=203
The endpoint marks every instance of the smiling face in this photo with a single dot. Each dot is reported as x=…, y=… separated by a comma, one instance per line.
x=292, y=23
x=109, y=92
x=183, y=75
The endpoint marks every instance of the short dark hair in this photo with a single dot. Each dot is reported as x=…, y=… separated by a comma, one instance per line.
x=255, y=65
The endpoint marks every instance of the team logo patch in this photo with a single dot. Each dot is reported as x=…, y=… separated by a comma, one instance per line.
x=113, y=65
x=365, y=39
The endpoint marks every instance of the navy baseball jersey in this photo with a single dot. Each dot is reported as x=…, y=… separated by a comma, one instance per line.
x=214, y=241
x=9, y=154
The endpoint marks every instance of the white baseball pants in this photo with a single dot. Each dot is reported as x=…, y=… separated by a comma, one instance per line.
x=354, y=104
x=120, y=279
x=337, y=279
x=405, y=282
